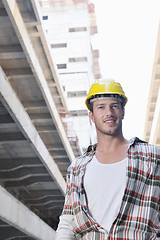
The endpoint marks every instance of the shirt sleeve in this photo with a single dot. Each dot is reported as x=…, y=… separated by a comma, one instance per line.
x=68, y=208
x=65, y=230
x=66, y=227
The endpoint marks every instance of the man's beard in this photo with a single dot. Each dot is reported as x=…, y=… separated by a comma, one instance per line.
x=110, y=132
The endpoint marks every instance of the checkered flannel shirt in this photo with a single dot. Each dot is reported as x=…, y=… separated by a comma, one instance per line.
x=138, y=217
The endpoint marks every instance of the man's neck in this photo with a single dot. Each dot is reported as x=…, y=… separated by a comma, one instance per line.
x=111, y=149
x=110, y=142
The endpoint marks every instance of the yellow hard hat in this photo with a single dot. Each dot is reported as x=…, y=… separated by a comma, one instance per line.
x=105, y=89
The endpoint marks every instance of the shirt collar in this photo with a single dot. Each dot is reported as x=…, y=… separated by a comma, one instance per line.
x=134, y=140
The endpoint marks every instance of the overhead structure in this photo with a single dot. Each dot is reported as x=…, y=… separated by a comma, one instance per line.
x=34, y=148
x=152, y=124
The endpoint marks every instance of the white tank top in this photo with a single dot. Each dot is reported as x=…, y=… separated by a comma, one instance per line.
x=104, y=185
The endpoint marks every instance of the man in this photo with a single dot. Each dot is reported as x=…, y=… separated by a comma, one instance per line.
x=113, y=189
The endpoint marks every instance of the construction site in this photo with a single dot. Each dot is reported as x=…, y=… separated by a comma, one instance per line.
x=37, y=138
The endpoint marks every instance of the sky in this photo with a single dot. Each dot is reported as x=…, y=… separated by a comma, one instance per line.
x=126, y=39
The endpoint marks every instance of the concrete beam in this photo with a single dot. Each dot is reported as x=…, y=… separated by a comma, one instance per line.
x=13, y=72
x=10, y=48
x=8, y=126
x=20, y=217
x=11, y=55
x=20, y=116
x=19, y=26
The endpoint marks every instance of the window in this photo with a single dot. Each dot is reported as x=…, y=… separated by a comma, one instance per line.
x=59, y=45
x=79, y=113
x=61, y=66
x=78, y=29
x=45, y=17
x=77, y=94
x=78, y=59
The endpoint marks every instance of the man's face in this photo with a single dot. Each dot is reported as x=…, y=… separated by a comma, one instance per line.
x=107, y=116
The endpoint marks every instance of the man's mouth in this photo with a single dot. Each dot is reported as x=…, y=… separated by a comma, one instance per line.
x=109, y=121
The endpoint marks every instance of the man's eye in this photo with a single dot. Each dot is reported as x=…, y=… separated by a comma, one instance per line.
x=115, y=106
x=100, y=107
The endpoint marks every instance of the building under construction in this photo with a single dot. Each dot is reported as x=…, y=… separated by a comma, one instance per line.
x=36, y=143
x=70, y=27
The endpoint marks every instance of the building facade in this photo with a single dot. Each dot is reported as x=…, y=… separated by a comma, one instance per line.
x=152, y=123
x=70, y=26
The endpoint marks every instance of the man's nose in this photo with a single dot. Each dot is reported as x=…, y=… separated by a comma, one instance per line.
x=108, y=111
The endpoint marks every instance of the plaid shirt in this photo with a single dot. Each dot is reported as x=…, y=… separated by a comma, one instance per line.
x=138, y=217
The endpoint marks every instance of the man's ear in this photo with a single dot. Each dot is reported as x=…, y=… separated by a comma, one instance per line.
x=91, y=116
x=123, y=113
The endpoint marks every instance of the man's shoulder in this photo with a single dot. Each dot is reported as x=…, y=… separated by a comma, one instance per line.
x=144, y=147
x=82, y=160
